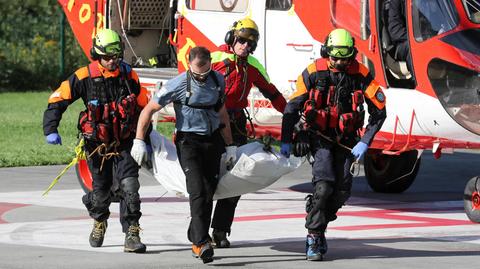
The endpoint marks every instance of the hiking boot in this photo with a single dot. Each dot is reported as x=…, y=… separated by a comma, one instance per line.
x=220, y=239
x=316, y=246
x=98, y=233
x=132, y=240
x=203, y=251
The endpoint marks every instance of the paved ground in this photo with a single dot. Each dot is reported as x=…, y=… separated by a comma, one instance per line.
x=421, y=228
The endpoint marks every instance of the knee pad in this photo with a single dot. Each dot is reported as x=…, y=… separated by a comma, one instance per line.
x=130, y=187
x=130, y=184
x=322, y=190
x=318, y=200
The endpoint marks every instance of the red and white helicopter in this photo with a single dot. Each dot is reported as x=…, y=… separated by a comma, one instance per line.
x=435, y=106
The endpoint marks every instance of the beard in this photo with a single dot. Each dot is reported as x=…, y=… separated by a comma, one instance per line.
x=342, y=67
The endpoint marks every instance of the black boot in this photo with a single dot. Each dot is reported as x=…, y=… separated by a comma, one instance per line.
x=132, y=240
x=316, y=246
x=98, y=233
x=220, y=239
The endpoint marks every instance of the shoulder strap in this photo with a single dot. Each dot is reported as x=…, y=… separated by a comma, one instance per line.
x=124, y=73
x=188, y=93
x=215, y=79
x=228, y=70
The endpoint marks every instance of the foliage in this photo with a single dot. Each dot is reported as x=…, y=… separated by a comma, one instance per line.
x=30, y=47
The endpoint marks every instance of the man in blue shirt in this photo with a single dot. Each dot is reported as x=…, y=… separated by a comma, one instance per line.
x=201, y=122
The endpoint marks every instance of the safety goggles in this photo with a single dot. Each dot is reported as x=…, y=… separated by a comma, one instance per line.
x=340, y=51
x=242, y=41
x=333, y=58
x=200, y=76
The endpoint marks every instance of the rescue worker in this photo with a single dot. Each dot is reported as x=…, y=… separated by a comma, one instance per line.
x=113, y=98
x=201, y=122
x=330, y=97
x=241, y=71
x=397, y=29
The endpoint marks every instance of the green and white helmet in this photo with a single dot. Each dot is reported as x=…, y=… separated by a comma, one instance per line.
x=108, y=42
x=340, y=44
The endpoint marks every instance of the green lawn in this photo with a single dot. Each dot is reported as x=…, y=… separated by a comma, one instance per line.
x=22, y=142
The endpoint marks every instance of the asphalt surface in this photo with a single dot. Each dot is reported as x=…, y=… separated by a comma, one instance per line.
x=423, y=227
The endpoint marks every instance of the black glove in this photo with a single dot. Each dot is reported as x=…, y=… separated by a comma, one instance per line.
x=301, y=147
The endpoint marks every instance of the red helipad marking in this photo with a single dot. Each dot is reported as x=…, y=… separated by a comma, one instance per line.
x=390, y=214
x=5, y=207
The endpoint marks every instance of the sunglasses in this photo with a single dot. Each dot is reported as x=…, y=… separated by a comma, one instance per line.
x=242, y=41
x=200, y=76
x=110, y=57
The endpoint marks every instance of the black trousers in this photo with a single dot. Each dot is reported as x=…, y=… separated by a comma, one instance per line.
x=108, y=182
x=199, y=156
x=332, y=185
x=225, y=208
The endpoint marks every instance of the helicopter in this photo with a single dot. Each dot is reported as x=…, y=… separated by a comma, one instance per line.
x=434, y=104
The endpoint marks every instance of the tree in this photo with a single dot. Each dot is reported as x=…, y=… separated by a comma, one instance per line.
x=29, y=46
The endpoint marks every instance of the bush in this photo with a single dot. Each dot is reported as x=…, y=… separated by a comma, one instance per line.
x=30, y=49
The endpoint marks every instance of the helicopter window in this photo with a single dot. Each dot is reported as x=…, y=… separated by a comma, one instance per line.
x=218, y=5
x=472, y=7
x=458, y=90
x=279, y=4
x=433, y=17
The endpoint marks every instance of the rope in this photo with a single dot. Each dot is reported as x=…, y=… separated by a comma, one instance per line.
x=105, y=154
x=249, y=119
x=79, y=155
x=102, y=151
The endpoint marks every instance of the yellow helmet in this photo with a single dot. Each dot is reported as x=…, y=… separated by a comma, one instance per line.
x=246, y=28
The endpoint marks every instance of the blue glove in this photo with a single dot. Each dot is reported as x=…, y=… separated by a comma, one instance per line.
x=54, y=139
x=359, y=150
x=285, y=149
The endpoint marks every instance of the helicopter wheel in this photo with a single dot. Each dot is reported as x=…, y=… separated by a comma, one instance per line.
x=471, y=199
x=391, y=173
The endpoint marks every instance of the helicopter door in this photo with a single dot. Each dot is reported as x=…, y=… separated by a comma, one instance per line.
x=289, y=47
x=397, y=71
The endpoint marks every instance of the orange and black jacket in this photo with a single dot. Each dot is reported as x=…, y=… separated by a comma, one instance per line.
x=356, y=77
x=240, y=74
x=80, y=85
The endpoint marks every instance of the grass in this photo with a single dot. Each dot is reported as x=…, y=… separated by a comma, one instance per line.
x=22, y=142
